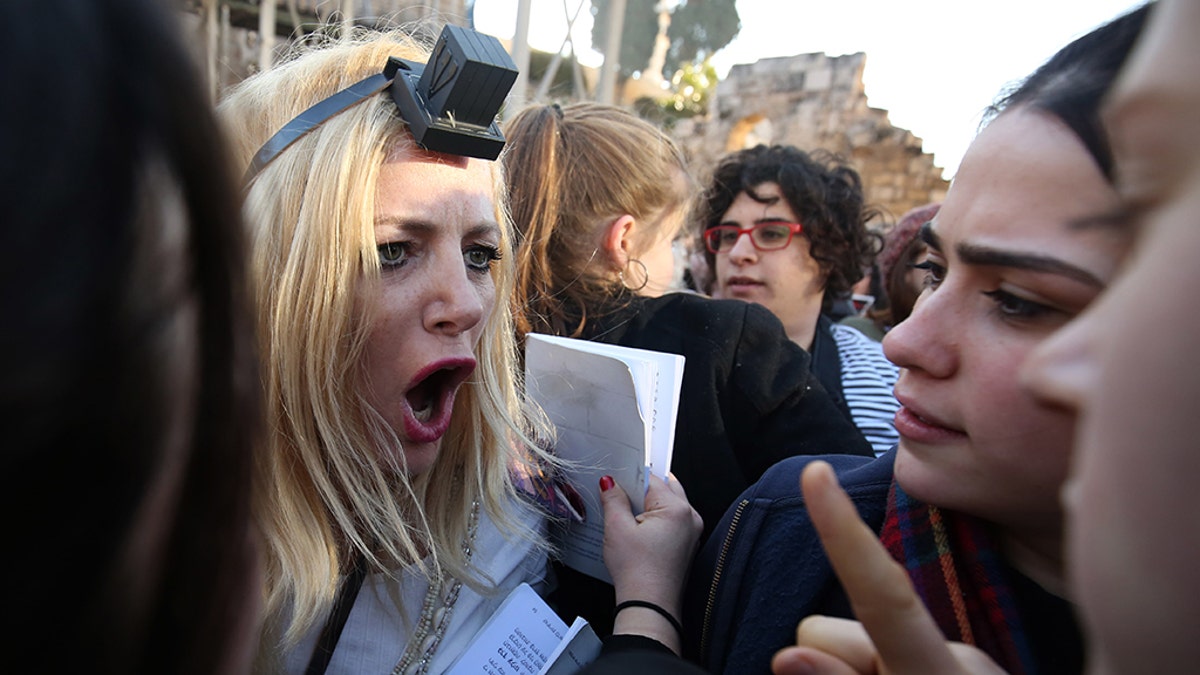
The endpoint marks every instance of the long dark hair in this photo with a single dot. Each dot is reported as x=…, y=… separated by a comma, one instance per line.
x=128, y=378
x=1072, y=84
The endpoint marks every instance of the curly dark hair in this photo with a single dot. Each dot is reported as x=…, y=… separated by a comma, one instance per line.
x=823, y=191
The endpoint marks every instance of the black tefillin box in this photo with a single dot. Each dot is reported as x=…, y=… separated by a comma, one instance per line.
x=451, y=102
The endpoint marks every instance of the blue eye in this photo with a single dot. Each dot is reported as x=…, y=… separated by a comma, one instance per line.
x=392, y=254
x=480, y=257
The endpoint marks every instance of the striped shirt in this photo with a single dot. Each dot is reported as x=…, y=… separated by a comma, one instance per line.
x=867, y=382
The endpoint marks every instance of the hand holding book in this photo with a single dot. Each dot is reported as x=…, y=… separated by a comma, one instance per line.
x=648, y=555
x=614, y=411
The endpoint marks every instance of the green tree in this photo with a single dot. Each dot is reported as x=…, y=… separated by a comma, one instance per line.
x=699, y=28
x=691, y=88
x=637, y=33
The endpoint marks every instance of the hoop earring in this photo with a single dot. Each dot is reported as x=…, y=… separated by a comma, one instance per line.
x=645, y=275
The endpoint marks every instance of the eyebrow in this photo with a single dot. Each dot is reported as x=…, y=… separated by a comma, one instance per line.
x=973, y=254
x=418, y=225
x=931, y=238
x=760, y=221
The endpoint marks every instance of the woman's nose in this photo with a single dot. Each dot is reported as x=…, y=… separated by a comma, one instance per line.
x=927, y=340
x=743, y=249
x=455, y=303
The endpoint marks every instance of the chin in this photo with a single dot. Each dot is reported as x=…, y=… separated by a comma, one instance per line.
x=917, y=478
x=419, y=458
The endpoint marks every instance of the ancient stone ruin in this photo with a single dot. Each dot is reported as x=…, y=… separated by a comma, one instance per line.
x=815, y=101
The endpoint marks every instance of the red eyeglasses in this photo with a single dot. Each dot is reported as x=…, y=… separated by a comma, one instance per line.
x=768, y=236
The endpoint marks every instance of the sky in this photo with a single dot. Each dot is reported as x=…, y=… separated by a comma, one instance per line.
x=934, y=65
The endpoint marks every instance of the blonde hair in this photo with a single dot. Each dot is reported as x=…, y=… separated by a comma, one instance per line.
x=327, y=491
x=570, y=171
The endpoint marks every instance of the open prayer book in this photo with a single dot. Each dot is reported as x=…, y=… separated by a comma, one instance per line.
x=526, y=637
x=614, y=409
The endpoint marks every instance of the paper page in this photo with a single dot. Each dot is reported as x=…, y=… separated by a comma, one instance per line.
x=643, y=365
x=658, y=380
x=664, y=399
x=590, y=399
x=517, y=639
x=578, y=648
x=595, y=395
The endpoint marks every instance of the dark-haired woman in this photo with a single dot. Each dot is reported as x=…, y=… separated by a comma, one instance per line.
x=787, y=230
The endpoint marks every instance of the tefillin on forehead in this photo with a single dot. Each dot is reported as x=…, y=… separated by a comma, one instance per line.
x=449, y=104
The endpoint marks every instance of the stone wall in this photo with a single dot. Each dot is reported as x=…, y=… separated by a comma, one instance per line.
x=815, y=101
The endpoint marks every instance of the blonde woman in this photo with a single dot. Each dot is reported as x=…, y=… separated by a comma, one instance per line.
x=392, y=407
x=393, y=522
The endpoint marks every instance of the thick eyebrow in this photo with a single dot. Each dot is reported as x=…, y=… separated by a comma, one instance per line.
x=1034, y=262
x=973, y=254
x=931, y=238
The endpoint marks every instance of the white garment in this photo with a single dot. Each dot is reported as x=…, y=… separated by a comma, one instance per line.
x=376, y=634
x=868, y=381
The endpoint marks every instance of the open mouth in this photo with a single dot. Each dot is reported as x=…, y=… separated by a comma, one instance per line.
x=428, y=394
x=431, y=400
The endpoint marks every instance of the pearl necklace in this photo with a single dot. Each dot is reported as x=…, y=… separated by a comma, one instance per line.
x=435, y=613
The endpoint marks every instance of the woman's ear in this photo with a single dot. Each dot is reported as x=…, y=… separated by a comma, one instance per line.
x=617, y=243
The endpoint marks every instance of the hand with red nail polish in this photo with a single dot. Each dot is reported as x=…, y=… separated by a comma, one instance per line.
x=648, y=555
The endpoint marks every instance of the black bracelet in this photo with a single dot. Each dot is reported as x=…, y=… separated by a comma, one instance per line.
x=650, y=605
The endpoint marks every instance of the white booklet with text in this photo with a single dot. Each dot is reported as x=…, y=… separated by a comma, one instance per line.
x=525, y=637
x=614, y=409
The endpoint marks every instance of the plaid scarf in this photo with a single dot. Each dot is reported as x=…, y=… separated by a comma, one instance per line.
x=956, y=568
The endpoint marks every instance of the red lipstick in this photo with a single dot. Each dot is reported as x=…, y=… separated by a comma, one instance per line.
x=429, y=400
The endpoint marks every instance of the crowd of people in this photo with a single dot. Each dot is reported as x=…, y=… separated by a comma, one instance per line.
x=280, y=425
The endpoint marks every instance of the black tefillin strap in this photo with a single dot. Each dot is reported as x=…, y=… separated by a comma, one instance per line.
x=332, y=631
x=450, y=104
x=314, y=117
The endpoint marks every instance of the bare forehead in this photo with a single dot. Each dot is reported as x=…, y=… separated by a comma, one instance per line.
x=424, y=188
x=768, y=191
x=1025, y=173
x=439, y=168
x=409, y=152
